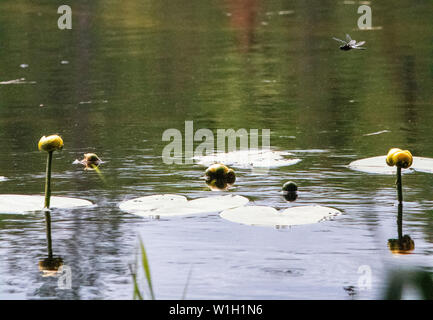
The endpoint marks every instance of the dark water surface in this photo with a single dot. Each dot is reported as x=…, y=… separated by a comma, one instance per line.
x=132, y=69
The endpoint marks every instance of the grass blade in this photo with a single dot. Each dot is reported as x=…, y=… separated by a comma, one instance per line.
x=146, y=269
x=187, y=283
x=136, y=292
x=101, y=176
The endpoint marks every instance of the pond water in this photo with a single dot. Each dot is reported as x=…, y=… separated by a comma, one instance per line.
x=129, y=70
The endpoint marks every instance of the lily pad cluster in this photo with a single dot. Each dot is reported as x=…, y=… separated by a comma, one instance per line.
x=232, y=208
x=166, y=205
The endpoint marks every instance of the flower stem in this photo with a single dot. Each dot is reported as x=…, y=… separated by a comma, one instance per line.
x=48, y=230
x=399, y=187
x=48, y=180
x=400, y=221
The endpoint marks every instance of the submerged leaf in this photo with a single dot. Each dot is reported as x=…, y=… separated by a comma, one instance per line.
x=175, y=205
x=378, y=165
x=22, y=204
x=268, y=216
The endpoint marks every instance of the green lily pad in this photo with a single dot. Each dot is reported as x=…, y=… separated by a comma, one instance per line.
x=175, y=205
x=268, y=216
x=251, y=158
x=23, y=204
x=378, y=165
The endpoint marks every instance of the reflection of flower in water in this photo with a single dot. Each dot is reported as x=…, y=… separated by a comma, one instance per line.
x=243, y=14
x=290, y=195
x=50, y=266
x=404, y=245
x=218, y=184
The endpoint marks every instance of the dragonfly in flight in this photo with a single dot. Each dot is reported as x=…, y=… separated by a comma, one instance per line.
x=350, y=44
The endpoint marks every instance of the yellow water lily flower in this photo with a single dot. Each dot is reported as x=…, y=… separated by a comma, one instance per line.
x=50, y=143
x=218, y=171
x=400, y=158
x=389, y=160
x=403, y=159
x=230, y=176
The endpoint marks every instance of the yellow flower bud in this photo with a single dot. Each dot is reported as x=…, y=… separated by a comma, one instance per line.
x=50, y=143
x=216, y=171
x=402, y=159
x=389, y=159
x=221, y=173
x=230, y=176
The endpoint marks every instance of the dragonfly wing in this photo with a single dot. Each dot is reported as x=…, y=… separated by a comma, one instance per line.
x=359, y=48
x=339, y=40
x=360, y=43
x=352, y=43
x=348, y=38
